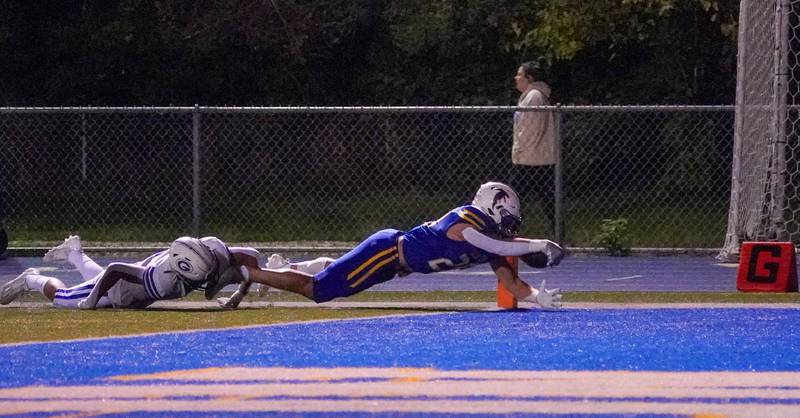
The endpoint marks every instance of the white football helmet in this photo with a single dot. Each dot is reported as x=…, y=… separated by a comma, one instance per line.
x=192, y=260
x=501, y=203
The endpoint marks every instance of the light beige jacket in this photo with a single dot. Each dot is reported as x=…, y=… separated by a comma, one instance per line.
x=534, y=132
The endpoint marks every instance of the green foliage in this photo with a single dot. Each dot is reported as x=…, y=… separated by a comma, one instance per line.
x=565, y=28
x=631, y=51
x=376, y=52
x=614, y=237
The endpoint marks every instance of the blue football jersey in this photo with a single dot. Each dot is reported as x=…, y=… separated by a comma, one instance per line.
x=426, y=248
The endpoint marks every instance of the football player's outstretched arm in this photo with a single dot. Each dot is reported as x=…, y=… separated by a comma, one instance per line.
x=546, y=298
x=239, y=259
x=236, y=298
x=515, y=247
x=244, y=258
x=511, y=281
x=113, y=274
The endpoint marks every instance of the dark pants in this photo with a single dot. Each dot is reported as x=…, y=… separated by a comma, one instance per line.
x=535, y=185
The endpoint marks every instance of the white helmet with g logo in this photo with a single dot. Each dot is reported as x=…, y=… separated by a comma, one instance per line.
x=501, y=203
x=192, y=260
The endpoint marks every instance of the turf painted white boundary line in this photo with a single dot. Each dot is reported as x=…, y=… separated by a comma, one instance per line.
x=616, y=279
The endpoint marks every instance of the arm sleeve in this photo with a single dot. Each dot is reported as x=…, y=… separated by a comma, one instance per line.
x=519, y=246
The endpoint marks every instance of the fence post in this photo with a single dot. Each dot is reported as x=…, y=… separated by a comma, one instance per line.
x=196, y=171
x=558, y=217
x=83, y=146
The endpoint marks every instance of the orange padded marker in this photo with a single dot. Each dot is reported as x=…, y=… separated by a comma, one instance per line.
x=505, y=299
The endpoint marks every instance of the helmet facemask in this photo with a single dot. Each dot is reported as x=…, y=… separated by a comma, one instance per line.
x=509, y=223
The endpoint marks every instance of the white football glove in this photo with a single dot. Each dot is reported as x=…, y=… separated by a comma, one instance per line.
x=554, y=253
x=87, y=303
x=231, y=302
x=548, y=299
x=545, y=253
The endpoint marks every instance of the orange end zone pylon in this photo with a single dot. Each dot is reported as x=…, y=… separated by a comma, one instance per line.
x=505, y=299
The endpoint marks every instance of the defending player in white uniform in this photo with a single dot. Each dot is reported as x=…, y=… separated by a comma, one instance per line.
x=189, y=264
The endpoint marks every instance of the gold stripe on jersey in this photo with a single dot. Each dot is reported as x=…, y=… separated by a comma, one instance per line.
x=471, y=218
x=474, y=216
x=370, y=261
x=374, y=269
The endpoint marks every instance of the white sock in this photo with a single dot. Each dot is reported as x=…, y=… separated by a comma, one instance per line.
x=36, y=282
x=312, y=266
x=85, y=265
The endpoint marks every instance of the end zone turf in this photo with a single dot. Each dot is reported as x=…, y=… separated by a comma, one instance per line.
x=733, y=361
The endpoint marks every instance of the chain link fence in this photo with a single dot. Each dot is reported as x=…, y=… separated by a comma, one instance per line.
x=338, y=174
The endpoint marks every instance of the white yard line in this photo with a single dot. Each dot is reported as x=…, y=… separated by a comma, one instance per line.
x=615, y=279
x=481, y=273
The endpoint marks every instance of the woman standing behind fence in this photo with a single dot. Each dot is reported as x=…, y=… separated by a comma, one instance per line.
x=533, y=153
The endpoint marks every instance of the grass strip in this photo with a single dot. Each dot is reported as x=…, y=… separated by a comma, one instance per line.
x=50, y=324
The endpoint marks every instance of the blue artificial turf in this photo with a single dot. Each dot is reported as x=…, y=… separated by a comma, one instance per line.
x=725, y=339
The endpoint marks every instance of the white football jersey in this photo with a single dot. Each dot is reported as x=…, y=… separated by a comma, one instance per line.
x=162, y=283
x=158, y=281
